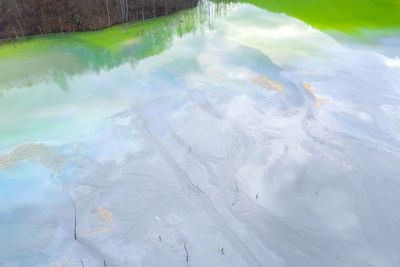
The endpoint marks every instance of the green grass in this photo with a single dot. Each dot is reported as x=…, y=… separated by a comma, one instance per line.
x=343, y=15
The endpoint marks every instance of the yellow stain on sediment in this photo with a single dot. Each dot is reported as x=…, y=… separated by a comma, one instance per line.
x=59, y=264
x=43, y=154
x=39, y=153
x=102, y=230
x=105, y=215
x=267, y=83
x=319, y=101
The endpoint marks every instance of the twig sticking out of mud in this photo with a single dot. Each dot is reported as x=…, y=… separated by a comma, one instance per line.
x=187, y=253
x=73, y=203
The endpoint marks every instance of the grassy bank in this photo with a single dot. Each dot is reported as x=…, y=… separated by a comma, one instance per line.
x=343, y=15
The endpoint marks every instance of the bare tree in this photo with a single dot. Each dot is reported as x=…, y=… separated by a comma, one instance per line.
x=108, y=14
x=142, y=11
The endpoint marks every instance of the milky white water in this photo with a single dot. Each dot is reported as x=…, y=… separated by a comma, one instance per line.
x=258, y=142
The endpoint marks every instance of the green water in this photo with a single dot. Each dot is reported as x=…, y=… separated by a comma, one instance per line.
x=26, y=62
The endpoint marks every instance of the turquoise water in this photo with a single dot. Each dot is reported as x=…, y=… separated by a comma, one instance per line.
x=249, y=131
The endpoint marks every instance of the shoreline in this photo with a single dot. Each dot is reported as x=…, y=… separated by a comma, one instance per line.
x=22, y=18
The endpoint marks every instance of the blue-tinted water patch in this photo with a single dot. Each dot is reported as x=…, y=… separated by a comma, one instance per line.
x=30, y=201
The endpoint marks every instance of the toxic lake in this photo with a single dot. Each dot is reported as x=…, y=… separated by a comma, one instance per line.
x=230, y=134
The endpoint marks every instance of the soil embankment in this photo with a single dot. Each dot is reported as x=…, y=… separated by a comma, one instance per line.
x=20, y=18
